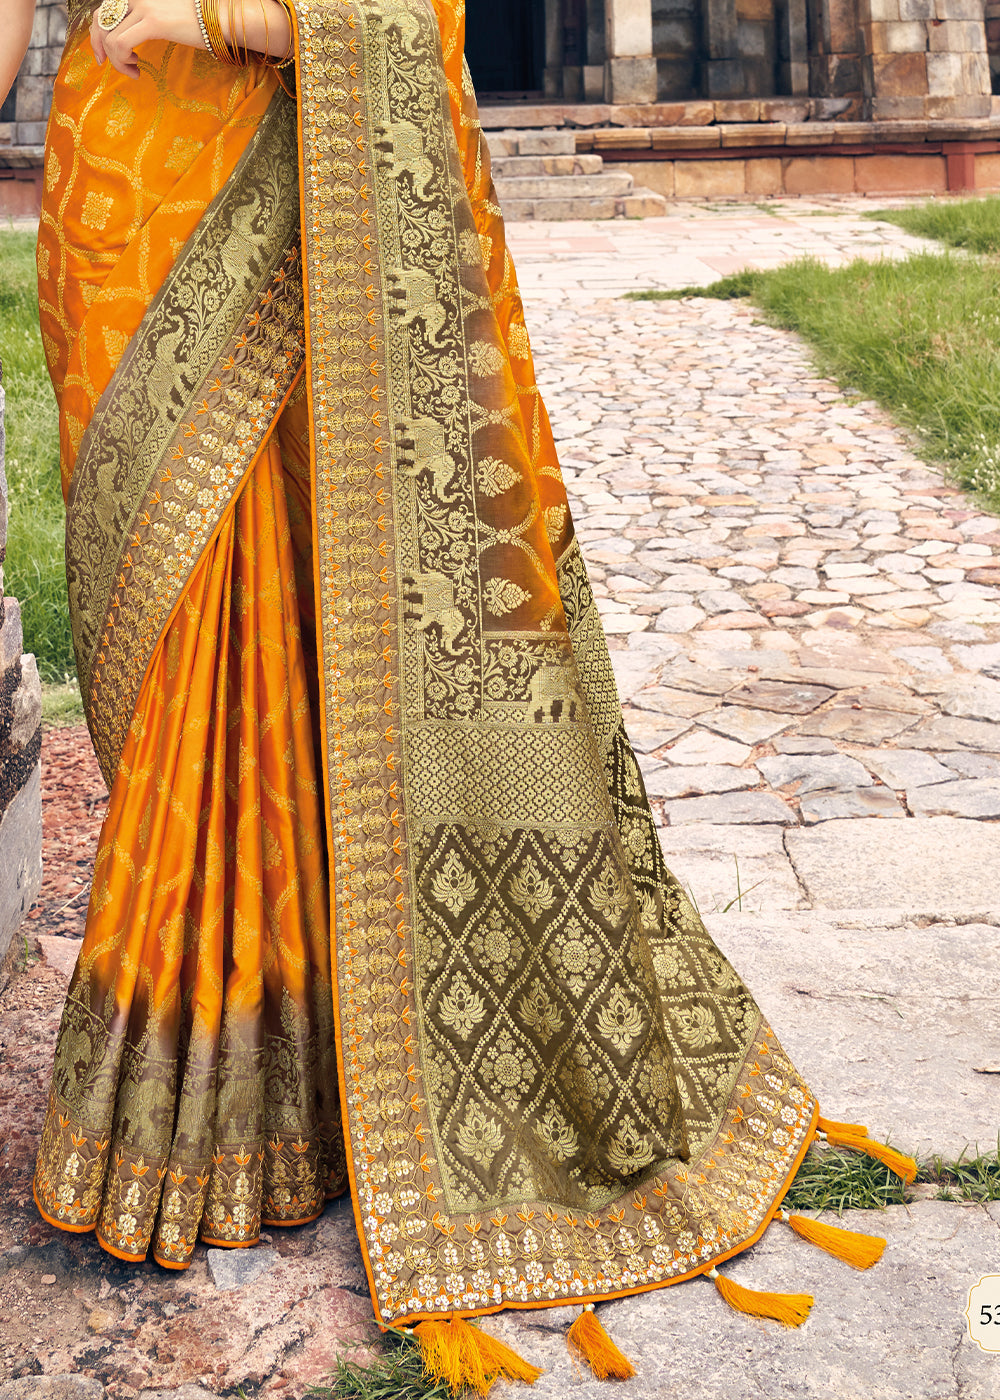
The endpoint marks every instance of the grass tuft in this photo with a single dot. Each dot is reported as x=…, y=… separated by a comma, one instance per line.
x=973, y=224
x=62, y=705
x=739, y=284
x=34, y=571
x=831, y=1179
x=399, y=1375
x=975, y=1178
x=837, y=1179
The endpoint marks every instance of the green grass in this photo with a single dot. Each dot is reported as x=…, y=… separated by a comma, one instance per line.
x=62, y=705
x=398, y=1375
x=974, y=1178
x=921, y=336
x=739, y=284
x=960, y=223
x=835, y=1179
x=829, y=1179
x=34, y=572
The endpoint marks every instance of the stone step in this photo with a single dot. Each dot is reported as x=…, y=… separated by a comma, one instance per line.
x=587, y=207
x=612, y=185
x=531, y=143
x=644, y=204
x=511, y=167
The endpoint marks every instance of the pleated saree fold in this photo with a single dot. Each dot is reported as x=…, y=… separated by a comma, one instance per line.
x=554, y=1087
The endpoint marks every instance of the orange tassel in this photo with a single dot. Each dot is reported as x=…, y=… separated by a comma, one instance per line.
x=589, y=1338
x=465, y=1357
x=862, y=1251
x=828, y=1125
x=792, y=1309
x=854, y=1136
x=498, y=1357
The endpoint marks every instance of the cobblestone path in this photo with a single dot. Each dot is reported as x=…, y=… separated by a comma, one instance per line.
x=805, y=616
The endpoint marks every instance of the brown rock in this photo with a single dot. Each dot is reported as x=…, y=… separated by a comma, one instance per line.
x=709, y=178
x=819, y=175
x=783, y=696
x=783, y=608
x=899, y=74
x=901, y=174
x=734, y=622
x=764, y=177
x=737, y=111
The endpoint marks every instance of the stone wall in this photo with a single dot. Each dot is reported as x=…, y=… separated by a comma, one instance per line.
x=20, y=759
x=891, y=59
x=33, y=91
x=924, y=59
x=24, y=114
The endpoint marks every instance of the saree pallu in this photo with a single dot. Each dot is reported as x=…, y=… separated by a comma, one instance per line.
x=378, y=851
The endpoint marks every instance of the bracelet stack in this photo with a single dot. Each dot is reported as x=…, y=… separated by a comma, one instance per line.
x=201, y=24
x=229, y=50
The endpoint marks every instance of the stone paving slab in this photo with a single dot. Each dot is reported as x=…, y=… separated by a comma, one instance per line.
x=887, y=1017
x=890, y=1333
x=746, y=867
x=935, y=864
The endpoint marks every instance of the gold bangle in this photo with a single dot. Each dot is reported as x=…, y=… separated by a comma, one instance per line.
x=289, y=54
x=213, y=26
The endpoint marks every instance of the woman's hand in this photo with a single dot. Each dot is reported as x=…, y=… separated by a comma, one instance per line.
x=264, y=23
x=14, y=35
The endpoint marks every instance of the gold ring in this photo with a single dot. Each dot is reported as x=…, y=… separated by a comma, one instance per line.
x=111, y=14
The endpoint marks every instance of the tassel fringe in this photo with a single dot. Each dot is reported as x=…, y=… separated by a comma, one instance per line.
x=589, y=1339
x=466, y=1357
x=792, y=1309
x=862, y=1251
x=828, y=1125
x=855, y=1136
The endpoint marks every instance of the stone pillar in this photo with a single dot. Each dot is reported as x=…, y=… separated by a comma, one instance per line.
x=677, y=31
x=925, y=59
x=835, y=49
x=552, y=80
x=723, y=67
x=20, y=760
x=593, y=68
x=630, y=68
x=793, y=47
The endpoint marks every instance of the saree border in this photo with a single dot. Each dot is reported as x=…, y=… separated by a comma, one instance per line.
x=182, y=421
x=422, y=1259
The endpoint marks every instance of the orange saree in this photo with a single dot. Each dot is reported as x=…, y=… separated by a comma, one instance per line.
x=201, y=1005
x=379, y=902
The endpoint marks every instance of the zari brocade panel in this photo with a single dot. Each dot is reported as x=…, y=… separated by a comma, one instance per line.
x=556, y=1086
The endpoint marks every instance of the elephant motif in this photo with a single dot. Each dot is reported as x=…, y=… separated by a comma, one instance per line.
x=413, y=297
x=399, y=14
x=429, y=600
x=401, y=152
x=549, y=699
x=422, y=445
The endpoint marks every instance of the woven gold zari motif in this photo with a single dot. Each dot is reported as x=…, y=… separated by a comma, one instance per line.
x=557, y=1087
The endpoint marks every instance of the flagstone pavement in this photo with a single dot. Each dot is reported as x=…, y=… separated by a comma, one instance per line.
x=805, y=625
